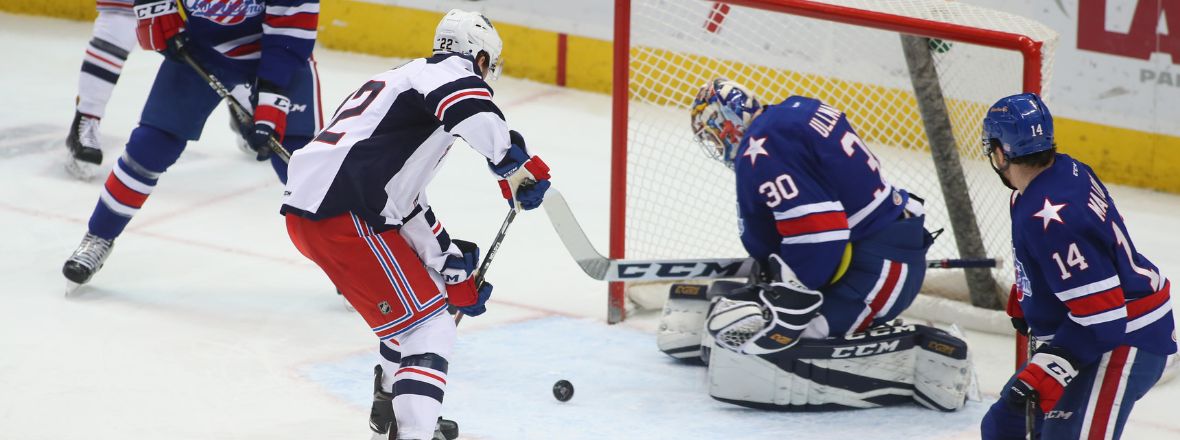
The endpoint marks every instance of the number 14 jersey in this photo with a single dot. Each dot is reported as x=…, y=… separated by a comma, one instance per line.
x=1082, y=284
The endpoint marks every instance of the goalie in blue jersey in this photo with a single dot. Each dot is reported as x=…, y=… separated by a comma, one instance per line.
x=845, y=254
x=1098, y=312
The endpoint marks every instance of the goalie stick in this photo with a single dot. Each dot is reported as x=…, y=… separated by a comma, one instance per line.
x=605, y=269
x=236, y=109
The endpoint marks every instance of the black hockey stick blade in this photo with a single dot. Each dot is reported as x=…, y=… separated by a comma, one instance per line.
x=599, y=267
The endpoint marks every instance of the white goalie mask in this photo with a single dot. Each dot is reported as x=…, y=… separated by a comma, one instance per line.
x=469, y=33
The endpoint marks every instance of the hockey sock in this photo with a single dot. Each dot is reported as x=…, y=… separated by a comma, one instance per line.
x=418, y=390
x=102, y=63
x=149, y=153
x=390, y=361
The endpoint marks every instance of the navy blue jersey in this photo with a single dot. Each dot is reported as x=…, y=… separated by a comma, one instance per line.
x=270, y=39
x=807, y=185
x=1083, y=286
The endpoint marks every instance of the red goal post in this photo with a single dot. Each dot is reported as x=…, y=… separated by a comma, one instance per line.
x=835, y=50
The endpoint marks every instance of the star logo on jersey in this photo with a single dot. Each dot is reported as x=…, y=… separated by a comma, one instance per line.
x=1050, y=213
x=755, y=149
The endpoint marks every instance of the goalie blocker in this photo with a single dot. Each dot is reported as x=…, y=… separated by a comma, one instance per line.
x=886, y=365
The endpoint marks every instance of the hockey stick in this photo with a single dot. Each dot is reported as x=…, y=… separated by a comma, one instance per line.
x=487, y=259
x=605, y=269
x=1030, y=406
x=236, y=109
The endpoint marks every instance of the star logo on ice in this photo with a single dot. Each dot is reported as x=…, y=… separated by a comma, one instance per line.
x=1050, y=213
x=755, y=149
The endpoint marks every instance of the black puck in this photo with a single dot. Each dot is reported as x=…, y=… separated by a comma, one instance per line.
x=563, y=390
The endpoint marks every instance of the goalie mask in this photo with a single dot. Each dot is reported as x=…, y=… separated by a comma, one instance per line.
x=470, y=33
x=721, y=112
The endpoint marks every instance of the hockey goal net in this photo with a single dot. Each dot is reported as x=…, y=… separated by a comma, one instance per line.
x=913, y=76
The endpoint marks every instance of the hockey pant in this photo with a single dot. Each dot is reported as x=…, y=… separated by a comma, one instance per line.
x=882, y=280
x=400, y=299
x=175, y=113
x=1094, y=406
x=111, y=42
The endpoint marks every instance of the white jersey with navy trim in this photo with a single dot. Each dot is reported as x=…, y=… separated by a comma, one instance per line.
x=388, y=138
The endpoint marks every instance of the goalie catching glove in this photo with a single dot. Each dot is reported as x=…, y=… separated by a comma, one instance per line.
x=523, y=178
x=158, y=23
x=461, y=289
x=764, y=318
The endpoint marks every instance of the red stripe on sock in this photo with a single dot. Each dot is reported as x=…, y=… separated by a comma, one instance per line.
x=124, y=194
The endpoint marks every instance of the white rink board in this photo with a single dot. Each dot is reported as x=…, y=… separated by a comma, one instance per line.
x=207, y=324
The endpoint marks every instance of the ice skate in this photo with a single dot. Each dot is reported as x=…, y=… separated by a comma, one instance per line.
x=384, y=425
x=85, y=150
x=85, y=261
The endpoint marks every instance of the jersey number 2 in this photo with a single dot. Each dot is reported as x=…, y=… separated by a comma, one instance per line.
x=370, y=91
x=1073, y=257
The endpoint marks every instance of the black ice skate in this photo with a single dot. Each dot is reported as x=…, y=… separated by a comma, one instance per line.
x=85, y=261
x=383, y=423
x=85, y=151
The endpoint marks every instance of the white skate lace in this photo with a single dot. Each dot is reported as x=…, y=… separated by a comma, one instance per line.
x=92, y=251
x=88, y=132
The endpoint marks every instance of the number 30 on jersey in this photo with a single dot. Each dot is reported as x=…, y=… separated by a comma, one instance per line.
x=781, y=188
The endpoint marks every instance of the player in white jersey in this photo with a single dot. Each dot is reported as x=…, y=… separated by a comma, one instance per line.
x=355, y=205
x=111, y=42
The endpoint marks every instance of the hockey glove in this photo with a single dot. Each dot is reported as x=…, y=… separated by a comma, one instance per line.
x=1043, y=378
x=270, y=118
x=461, y=289
x=1015, y=312
x=523, y=178
x=771, y=324
x=159, y=22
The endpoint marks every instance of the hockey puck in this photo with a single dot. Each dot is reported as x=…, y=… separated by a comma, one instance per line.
x=563, y=390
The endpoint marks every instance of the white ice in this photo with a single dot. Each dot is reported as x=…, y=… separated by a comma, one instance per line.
x=207, y=324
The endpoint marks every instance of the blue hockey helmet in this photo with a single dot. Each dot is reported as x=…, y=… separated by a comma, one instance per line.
x=1019, y=125
x=721, y=112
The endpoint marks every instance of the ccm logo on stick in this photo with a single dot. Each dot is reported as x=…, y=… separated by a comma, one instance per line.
x=678, y=270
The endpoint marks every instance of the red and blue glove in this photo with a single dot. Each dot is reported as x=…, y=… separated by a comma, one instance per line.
x=462, y=293
x=271, y=106
x=1043, y=379
x=523, y=178
x=159, y=22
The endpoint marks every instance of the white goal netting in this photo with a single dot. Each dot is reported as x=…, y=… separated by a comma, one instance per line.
x=681, y=204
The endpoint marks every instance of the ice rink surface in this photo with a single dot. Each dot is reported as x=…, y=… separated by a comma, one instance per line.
x=206, y=323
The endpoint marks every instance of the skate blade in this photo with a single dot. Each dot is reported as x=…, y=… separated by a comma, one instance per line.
x=72, y=288
x=82, y=170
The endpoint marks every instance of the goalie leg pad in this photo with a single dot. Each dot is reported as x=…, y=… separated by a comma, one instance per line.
x=682, y=321
x=883, y=366
x=942, y=370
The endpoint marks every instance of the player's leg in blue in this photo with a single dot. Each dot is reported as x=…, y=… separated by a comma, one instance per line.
x=883, y=277
x=1005, y=421
x=175, y=112
x=1096, y=404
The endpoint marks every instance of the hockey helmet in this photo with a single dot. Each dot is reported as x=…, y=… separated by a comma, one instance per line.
x=469, y=33
x=721, y=112
x=1019, y=125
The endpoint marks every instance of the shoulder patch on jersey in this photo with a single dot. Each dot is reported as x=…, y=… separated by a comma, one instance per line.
x=755, y=149
x=1050, y=213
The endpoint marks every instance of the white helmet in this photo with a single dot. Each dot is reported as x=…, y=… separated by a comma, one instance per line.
x=469, y=33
